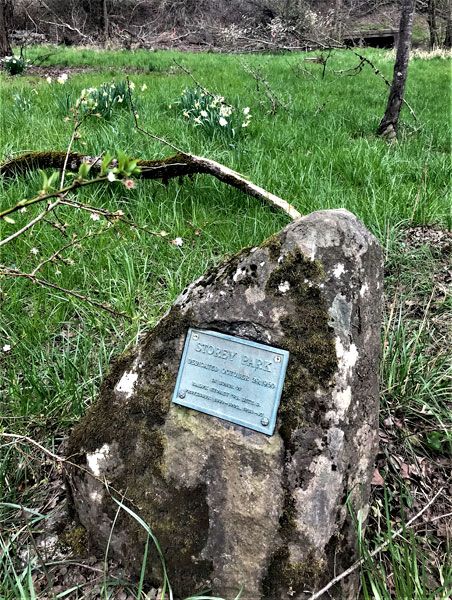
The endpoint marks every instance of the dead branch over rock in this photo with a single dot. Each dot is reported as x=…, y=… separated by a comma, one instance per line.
x=177, y=165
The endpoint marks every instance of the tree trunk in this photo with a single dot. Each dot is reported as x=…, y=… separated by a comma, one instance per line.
x=432, y=25
x=448, y=36
x=338, y=20
x=97, y=12
x=105, y=20
x=6, y=10
x=389, y=123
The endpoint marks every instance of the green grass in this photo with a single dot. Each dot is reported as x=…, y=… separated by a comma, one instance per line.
x=320, y=152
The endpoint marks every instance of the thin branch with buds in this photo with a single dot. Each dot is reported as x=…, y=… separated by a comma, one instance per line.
x=10, y=272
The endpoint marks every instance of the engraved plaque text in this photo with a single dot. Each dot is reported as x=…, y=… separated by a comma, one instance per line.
x=231, y=378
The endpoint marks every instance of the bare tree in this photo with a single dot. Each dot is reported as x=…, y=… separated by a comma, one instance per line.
x=389, y=123
x=97, y=11
x=6, y=10
x=448, y=36
x=432, y=23
x=338, y=19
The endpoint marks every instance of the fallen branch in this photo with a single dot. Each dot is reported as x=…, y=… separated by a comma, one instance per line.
x=178, y=165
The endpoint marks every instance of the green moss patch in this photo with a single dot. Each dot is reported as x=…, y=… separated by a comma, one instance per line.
x=308, y=337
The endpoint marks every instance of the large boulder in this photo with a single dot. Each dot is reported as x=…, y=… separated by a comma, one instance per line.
x=232, y=507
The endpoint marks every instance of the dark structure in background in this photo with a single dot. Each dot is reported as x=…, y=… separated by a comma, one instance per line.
x=385, y=38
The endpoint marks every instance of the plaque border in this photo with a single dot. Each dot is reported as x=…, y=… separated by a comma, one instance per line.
x=267, y=430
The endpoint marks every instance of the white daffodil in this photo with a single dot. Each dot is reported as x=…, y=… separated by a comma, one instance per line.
x=62, y=78
x=95, y=216
x=144, y=87
x=246, y=110
x=6, y=348
x=222, y=121
x=225, y=111
x=111, y=176
x=204, y=114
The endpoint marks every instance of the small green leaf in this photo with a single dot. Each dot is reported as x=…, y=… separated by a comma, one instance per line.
x=106, y=160
x=45, y=181
x=84, y=170
x=52, y=179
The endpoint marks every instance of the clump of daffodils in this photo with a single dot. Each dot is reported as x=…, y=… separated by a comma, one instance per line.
x=212, y=113
x=103, y=100
x=15, y=65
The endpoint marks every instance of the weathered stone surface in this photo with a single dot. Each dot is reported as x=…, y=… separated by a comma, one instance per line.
x=232, y=506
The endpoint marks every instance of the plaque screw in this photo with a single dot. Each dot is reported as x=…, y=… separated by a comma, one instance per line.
x=277, y=358
x=265, y=422
x=195, y=336
x=182, y=394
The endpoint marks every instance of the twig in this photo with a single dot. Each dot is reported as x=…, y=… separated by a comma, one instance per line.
x=272, y=97
x=440, y=517
x=56, y=254
x=31, y=223
x=24, y=439
x=138, y=128
x=190, y=74
x=57, y=193
x=77, y=124
x=29, y=440
x=380, y=74
x=108, y=215
x=44, y=283
x=47, y=574
x=382, y=546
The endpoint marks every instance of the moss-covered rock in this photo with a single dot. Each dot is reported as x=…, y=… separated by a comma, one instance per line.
x=233, y=507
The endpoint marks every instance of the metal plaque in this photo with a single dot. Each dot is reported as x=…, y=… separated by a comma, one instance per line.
x=231, y=378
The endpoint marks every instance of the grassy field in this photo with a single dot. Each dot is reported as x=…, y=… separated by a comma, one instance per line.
x=317, y=149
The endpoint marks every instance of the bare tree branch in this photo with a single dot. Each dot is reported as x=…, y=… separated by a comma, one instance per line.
x=10, y=272
x=382, y=546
